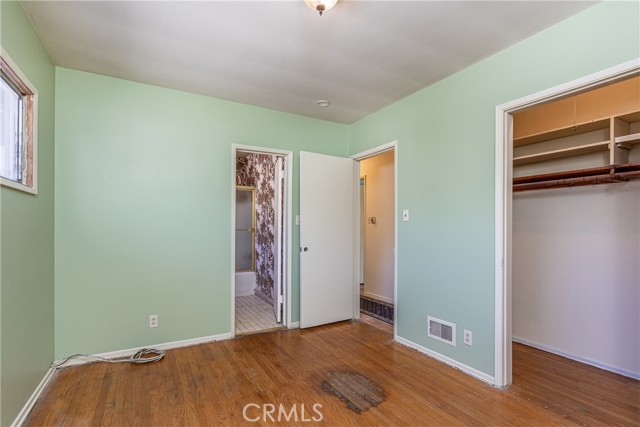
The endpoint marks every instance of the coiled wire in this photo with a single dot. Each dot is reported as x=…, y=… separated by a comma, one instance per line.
x=140, y=357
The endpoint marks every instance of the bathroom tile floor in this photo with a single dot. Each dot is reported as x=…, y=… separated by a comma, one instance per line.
x=254, y=315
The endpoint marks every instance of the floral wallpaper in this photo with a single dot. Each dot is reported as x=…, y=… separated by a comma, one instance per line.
x=258, y=170
x=242, y=171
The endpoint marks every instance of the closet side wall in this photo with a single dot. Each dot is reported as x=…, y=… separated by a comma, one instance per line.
x=576, y=272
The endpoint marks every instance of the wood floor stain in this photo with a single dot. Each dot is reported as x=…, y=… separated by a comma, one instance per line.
x=357, y=391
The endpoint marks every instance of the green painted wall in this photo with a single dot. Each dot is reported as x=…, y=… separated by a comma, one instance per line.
x=446, y=141
x=143, y=195
x=27, y=244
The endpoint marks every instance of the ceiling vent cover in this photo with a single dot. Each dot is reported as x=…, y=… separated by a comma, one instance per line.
x=442, y=330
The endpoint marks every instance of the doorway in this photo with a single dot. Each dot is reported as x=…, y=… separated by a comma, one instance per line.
x=376, y=226
x=261, y=238
x=375, y=294
x=329, y=232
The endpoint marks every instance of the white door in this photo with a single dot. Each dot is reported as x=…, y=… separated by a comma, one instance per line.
x=278, y=298
x=326, y=239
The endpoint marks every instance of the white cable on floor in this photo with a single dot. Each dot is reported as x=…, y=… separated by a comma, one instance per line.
x=138, y=358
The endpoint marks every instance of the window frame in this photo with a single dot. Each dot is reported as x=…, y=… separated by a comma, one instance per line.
x=29, y=149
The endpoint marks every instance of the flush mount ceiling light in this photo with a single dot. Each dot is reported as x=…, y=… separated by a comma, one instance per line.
x=323, y=103
x=320, y=5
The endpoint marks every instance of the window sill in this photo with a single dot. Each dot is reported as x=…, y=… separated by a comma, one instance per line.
x=17, y=186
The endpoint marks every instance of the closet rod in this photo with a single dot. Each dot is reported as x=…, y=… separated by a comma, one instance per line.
x=576, y=182
x=602, y=170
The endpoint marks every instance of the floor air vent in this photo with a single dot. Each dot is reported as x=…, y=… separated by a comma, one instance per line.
x=442, y=330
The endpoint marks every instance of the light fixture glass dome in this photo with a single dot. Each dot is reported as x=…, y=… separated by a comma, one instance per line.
x=320, y=5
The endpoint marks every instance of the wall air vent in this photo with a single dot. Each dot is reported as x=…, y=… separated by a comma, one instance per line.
x=441, y=330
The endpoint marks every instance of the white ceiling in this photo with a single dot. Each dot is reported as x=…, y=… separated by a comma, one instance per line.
x=361, y=55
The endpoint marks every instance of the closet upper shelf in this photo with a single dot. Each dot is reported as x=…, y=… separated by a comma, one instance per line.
x=634, y=138
x=581, y=113
x=562, y=132
x=560, y=153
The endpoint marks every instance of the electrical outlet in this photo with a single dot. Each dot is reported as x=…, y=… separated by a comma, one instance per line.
x=468, y=337
x=153, y=321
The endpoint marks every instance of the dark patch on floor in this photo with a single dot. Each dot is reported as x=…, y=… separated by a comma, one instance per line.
x=357, y=391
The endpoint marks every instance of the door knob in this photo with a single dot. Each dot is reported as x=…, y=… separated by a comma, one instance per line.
x=305, y=249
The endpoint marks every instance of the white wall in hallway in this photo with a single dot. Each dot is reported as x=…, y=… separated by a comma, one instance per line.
x=378, y=254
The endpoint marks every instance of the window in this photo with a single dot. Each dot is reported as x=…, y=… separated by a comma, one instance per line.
x=18, y=108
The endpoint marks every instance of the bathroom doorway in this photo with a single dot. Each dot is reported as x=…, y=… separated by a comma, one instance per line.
x=261, y=238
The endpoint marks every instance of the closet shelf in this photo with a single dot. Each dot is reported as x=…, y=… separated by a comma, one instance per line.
x=562, y=132
x=560, y=153
x=610, y=112
x=634, y=138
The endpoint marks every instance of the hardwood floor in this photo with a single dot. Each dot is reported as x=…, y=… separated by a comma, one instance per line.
x=376, y=323
x=210, y=384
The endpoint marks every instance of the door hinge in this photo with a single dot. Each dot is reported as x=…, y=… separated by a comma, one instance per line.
x=280, y=299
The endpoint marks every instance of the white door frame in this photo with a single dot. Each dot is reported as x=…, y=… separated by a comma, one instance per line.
x=391, y=146
x=288, y=194
x=278, y=306
x=503, y=201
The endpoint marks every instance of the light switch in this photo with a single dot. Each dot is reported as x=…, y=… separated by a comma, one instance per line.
x=405, y=215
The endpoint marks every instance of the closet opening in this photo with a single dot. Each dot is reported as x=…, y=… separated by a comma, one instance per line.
x=568, y=224
x=261, y=240
x=376, y=293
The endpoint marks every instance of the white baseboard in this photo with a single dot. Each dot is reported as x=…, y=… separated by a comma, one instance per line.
x=585, y=360
x=164, y=346
x=378, y=297
x=294, y=325
x=22, y=416
x=245, y=293
x=454, y=363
